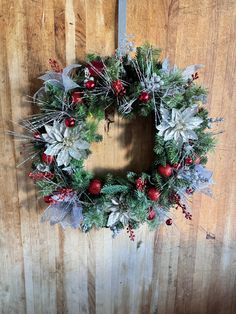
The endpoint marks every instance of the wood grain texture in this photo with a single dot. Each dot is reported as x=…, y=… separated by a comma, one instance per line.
x=174, y=270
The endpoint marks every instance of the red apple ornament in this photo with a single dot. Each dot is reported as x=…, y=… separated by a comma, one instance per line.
x=164, y=171
x=95, y=187
x=153, y=194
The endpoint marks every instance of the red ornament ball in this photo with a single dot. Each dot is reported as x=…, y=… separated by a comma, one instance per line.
x=153, y=194
x=48, y=159
x=37, y=135
x=165, y=171
x=188, y=161
x=48, y=199
x=144, y=97
x=151, y=213
x=169, y=222
x=90, y=84
x=70, y=122
x=95, y=187
x=95, y=67
x=140, y=184
x=77, y=97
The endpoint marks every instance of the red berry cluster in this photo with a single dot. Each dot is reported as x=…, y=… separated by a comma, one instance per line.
x=41, y=175
x=63, y=192
x=48, y=159
x=175, y=198
x=55, y=65
x=118, y=88
x=140, y=184
x=131, y=232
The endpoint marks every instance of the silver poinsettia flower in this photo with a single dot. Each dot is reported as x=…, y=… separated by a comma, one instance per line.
x=64, y=142
x=119, y=212
x=179, y=124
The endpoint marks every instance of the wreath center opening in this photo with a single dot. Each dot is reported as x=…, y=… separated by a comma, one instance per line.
x=126, y=146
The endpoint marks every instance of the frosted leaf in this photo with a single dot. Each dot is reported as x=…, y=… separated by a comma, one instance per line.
x=81, y=144
x=113, y=219
x=63, y=158
x=75, y=154
x=53, y=149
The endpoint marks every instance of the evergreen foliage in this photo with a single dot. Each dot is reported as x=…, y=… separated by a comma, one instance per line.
x=119, y=84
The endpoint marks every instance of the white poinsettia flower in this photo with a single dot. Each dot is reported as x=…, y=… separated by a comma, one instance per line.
x=119, y=212
x=64, y=142
x=179, y=124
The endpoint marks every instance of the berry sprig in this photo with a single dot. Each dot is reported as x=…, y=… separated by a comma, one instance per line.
x=55, y=66
x=175, y=198
x=131, y=232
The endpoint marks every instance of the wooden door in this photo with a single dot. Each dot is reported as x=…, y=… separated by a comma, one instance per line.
x=186, y=268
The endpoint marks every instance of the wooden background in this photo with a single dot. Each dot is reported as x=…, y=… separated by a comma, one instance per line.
x=175, y=270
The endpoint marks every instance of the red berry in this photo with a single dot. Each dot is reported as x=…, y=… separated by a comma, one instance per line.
x=188, y=161
x=37, y=135
x=95, y=68
x=140, y=184
x=77, y=97
x=153, y=194
x=169, y=222
x=144, y=97
x=90, y=84
x=70, y=122
x=48, y=159
x=176, y=166
x=165, y=171
x=151, y=213
x=95, y=187
x=48, y=199
x=175, y=198
x=189, y=191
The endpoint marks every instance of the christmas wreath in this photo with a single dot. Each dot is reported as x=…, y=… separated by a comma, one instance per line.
x=73, y=100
